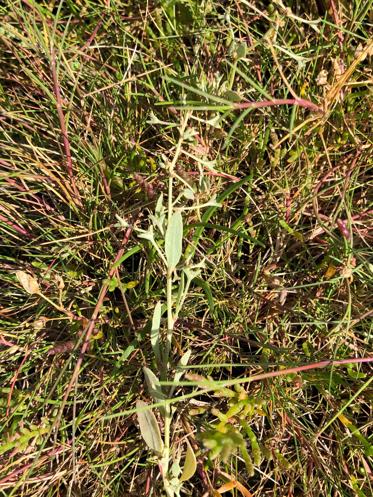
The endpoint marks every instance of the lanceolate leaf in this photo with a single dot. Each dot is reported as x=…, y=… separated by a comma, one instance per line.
x=154, y=334
x=154, y=387
x=190, y=464
x=174, y=240
x=149, y=428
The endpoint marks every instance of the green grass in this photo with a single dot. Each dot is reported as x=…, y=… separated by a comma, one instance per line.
x=108, y=107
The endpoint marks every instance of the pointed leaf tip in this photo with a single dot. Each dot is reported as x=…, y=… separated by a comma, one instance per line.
x=190, y=464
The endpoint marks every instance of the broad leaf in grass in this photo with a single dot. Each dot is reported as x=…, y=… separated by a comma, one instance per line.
x=174, y=240
x=149, y=428
x=190, y=464
x=154, y=387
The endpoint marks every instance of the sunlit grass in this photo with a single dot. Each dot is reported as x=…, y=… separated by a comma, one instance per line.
x=276, y=221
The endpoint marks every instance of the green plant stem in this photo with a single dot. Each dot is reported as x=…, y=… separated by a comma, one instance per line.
x=170, y=318
x=167, y=439
x=366, y=384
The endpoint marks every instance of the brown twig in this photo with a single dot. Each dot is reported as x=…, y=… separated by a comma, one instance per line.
x=362, y=215
x=65, y=138
x=105, y=182
x=14, y=183
x=92, y=37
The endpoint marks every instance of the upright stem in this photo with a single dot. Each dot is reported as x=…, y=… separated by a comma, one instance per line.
x=170, y=317
x=167, y=439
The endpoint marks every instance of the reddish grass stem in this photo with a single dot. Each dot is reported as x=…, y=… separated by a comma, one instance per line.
x=206, y=386
x=301, y=102
x=17, y=228
x=6, y=343
x=20, y=471
x=307, y=367
x=93, y=36
x=65, y=138
x=90, y=328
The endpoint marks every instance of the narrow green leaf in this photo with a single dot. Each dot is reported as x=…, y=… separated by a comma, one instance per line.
x=185, y=358
x=128, y=254
x=214, y=98
x=174, y=240
x=206, y=288
x=149, y=235
x=190, y=250
x=158, y=219
x=191, y=273
x=248, y=461
x=188, y=193
x=255, y=448
x=250, y=81
x=112, y=284
x=290, y=230
x=149, y=428
x=154, y=334
x=190, y=464
x=126, y=353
